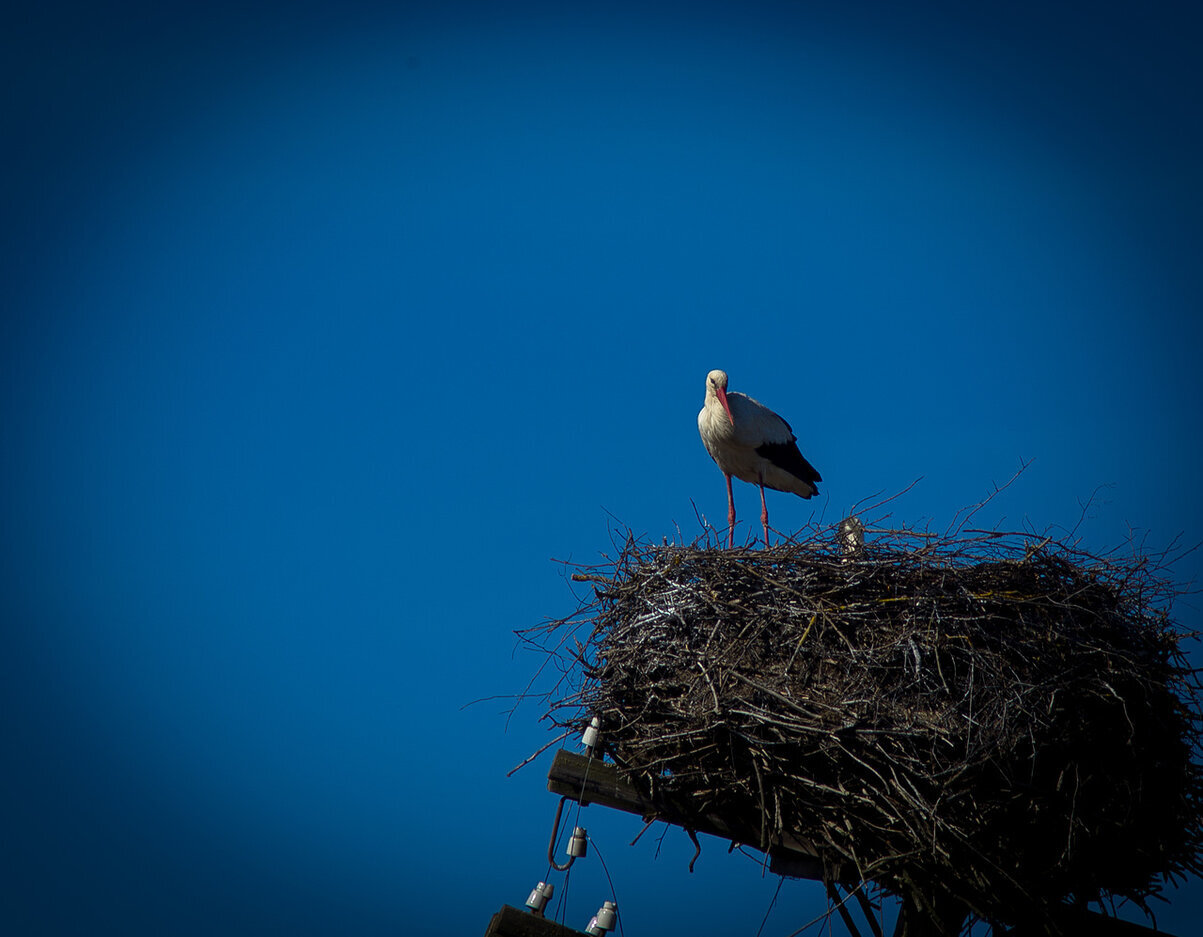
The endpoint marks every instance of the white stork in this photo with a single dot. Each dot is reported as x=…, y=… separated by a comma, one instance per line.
x=748, y=440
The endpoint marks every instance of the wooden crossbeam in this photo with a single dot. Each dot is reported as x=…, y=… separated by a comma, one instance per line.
x=511, y=922
x=592, y=781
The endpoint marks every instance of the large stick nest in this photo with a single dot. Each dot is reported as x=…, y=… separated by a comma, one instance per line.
x=998, y=719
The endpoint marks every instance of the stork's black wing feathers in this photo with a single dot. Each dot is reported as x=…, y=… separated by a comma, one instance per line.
x=785, y=455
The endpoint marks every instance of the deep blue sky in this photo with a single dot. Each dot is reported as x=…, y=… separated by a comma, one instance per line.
x=327, y=325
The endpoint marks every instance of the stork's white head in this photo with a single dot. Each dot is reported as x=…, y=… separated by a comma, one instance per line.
x=716, y=384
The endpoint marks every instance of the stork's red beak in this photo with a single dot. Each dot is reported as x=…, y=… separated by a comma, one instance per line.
x=722, y=398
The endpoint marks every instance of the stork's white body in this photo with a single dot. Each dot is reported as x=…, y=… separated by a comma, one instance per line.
x=749, y=441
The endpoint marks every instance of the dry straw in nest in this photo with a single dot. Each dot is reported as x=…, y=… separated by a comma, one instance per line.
x=996, y=721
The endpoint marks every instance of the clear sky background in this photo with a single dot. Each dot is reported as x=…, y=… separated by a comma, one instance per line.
x=327, y=325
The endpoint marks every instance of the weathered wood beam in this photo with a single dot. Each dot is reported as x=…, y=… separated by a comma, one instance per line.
x=595, y=782
x=512, y=922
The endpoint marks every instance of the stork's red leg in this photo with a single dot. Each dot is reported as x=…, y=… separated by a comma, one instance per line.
x=764, y=515
x=730, y=513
